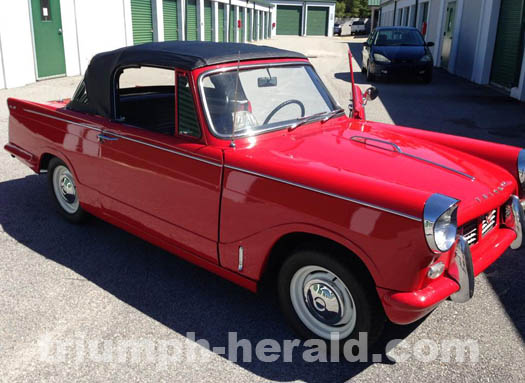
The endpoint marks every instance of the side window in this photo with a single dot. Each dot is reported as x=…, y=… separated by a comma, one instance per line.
x=80, y=95
x=186, y=116
x=371, y=38
x=146, y=98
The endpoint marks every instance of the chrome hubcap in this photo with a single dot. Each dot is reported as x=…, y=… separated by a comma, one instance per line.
x=65, y=189
x=323, y=302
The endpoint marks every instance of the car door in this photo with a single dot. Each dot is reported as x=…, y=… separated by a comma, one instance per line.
x=164, y=181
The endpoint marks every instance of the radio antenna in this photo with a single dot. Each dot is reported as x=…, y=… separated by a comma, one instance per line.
x=235, y=103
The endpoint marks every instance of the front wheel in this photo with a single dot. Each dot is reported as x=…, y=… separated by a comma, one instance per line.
x=369, y=75
x=427, y=78
x=64, y=191
x=324, y=298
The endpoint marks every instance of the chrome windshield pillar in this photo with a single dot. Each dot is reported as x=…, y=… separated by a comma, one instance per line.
x=461, y=270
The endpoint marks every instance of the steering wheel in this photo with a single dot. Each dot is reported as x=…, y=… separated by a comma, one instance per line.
x=282, y=105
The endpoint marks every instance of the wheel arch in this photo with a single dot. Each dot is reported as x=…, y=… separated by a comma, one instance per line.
x=288, y=243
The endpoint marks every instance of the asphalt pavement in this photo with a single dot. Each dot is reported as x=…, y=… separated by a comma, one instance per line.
x=76, y=302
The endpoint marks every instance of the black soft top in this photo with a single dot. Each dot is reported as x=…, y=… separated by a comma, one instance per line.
x=187, y=55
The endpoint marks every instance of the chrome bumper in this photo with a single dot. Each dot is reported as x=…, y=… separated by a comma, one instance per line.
x=519, y=221
x=461, y=269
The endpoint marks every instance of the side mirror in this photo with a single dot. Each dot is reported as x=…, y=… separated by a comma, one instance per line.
x=429, y=44
x=370, y=94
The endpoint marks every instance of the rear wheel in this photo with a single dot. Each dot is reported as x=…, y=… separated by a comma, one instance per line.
x=64, y=191
x=322, y=297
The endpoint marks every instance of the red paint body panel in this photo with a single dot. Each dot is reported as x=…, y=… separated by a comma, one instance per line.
x=202, y=199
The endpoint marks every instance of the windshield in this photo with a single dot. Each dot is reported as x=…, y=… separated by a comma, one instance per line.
x=390, y=37
x=261, y=99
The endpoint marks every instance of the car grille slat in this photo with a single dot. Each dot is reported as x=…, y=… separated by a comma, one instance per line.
x=488, y=223
x=470, y=232
x=485, y=224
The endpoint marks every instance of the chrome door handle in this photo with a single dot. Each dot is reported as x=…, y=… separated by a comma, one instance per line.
x=102, y=138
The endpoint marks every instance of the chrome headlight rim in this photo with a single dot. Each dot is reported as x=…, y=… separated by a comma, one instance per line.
x=521, y=169
x=440, y=207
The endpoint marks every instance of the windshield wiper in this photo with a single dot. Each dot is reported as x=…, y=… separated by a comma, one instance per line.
x=307, y=119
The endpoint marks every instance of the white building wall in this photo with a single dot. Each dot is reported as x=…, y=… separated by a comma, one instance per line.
x=18, y=61
x=100, y=31
x=2, y=72
x=468, y=37
x=70, y=38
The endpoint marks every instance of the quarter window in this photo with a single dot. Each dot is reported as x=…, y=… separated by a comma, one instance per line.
x=187, y=118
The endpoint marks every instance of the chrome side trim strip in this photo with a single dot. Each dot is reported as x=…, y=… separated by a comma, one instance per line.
x=414, y=218
x=164, y=149
x=63, y=120
x=126, y=138
x=363, y=140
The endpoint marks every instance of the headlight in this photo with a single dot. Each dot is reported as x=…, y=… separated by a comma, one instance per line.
x=426, y=58
x=521, y=168
x=440, y=222
x=378, y=57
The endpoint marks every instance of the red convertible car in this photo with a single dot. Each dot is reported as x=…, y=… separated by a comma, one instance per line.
x=237, y=158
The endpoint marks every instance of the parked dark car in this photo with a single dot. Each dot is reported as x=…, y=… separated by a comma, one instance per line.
x=337, y=29
x=391, y=51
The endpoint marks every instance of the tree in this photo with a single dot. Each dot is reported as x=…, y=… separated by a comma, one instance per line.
x=340, y=8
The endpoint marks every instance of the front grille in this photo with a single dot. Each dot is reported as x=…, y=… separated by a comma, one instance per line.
x=489, y=222
x=482, y=225
x=470, y=232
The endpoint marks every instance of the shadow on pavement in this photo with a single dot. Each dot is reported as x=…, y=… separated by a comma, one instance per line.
x=455, y=106
x=449, y=104
x=177, y=294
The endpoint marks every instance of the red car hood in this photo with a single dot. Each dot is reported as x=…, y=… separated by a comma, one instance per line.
x=330, y=158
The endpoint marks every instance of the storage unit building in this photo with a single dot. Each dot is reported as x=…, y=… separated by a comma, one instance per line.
x=40, y=39
x=170, y=18
x=482, y=41
x=142, y=21
x=208, y=21
x=303, y=18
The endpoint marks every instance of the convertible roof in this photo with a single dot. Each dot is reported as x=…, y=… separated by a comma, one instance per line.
x=186, y=55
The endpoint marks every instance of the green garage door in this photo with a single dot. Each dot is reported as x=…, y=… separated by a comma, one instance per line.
x=171, y=25
x=191, y=20
x=208, y=27
x=317, y=24
x=233, y=24
x=249, y=25
x=221, y=21
x=288, y=20
x=243, y=26
x=142, y=21
x=508, y=52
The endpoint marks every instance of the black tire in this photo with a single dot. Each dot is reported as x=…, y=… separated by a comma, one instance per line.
x=370, y=316
x=77, y=215
x=370, y=77
x=427, y=78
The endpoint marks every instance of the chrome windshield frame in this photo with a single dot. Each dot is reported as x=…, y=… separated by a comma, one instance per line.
x=279, y=126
